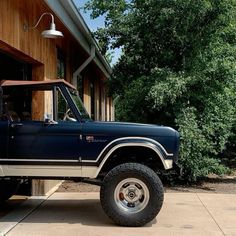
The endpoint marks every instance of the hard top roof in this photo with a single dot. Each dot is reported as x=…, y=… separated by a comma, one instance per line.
x=41, y=85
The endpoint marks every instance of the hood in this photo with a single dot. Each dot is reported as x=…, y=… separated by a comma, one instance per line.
x=128, y=129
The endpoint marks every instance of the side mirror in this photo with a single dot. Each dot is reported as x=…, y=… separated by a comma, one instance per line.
x=50, y=122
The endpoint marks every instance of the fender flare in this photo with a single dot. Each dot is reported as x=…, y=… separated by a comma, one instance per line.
x=106, y=153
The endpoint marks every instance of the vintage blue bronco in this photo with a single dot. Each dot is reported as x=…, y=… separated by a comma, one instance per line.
x=123, y=158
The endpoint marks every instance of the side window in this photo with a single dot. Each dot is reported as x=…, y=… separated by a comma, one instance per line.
x=81, y=87
x=16, y=105
x=92, y=99
x=62, y=105
x=61, y=65
x=63, y=110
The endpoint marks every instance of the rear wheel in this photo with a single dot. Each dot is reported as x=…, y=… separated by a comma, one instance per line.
x=7, y=189
x=132, y=194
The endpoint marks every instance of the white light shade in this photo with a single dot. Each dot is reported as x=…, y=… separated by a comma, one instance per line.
x=52, y=32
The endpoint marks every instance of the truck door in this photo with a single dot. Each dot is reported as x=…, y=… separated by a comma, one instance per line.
x=41, y=143
x=44, y=143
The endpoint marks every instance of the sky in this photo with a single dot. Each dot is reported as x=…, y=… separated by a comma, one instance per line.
x=93, y=24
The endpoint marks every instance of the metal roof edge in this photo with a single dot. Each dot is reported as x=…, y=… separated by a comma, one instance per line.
x=70, y=16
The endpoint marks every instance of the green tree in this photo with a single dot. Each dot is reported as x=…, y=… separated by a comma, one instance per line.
x=177, y=68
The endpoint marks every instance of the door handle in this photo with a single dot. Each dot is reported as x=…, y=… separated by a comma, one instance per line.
x=16, y=125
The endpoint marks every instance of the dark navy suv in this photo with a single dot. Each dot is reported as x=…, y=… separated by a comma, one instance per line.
x=123, y=158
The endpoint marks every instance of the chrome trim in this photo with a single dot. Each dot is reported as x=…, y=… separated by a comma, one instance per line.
x=166, y=164
x=44, y=160
x=1, y=171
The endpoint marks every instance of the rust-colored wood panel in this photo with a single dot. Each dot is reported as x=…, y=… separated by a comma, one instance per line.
x=97, y=97
x=17, y=54
x=87, y=97
x=38, y=98
x=13, y=15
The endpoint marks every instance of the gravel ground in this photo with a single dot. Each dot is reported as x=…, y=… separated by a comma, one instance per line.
x=213, y=184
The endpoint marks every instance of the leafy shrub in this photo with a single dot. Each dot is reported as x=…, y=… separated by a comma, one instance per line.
x=178, y=68
x=195, y=158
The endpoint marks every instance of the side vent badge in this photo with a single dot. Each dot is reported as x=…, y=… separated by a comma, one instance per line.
x=89, y=139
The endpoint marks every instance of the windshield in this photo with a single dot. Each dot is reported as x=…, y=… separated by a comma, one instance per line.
x=79, y=104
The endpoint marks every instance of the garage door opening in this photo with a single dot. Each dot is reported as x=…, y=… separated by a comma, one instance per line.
x=13, y=69
x=19, y=104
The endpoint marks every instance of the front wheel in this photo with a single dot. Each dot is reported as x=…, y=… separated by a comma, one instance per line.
x=132, y=194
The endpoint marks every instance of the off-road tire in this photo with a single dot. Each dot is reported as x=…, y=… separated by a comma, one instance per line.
x=7, y=189
x=150, y=185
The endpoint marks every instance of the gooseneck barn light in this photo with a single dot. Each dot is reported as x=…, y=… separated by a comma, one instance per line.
x=51, y=32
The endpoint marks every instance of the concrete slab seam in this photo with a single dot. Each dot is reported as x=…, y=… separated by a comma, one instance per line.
x=27, y=214
x=211, y=215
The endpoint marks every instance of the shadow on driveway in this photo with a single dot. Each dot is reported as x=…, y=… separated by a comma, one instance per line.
x=85, y=212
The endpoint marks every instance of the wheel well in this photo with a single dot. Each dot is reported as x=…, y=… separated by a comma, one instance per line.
x=142, y=155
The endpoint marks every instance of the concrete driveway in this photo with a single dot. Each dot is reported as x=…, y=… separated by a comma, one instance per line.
x=81, y=214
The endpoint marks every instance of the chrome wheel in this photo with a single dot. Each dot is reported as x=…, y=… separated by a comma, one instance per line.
x=131, y=195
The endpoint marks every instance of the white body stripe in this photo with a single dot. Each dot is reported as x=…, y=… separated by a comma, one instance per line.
x=54, y=171
x=42, y=170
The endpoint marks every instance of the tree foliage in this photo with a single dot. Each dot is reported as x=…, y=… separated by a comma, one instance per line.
x=177, y=68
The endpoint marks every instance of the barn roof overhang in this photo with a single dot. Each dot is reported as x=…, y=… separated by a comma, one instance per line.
x=70, y=16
